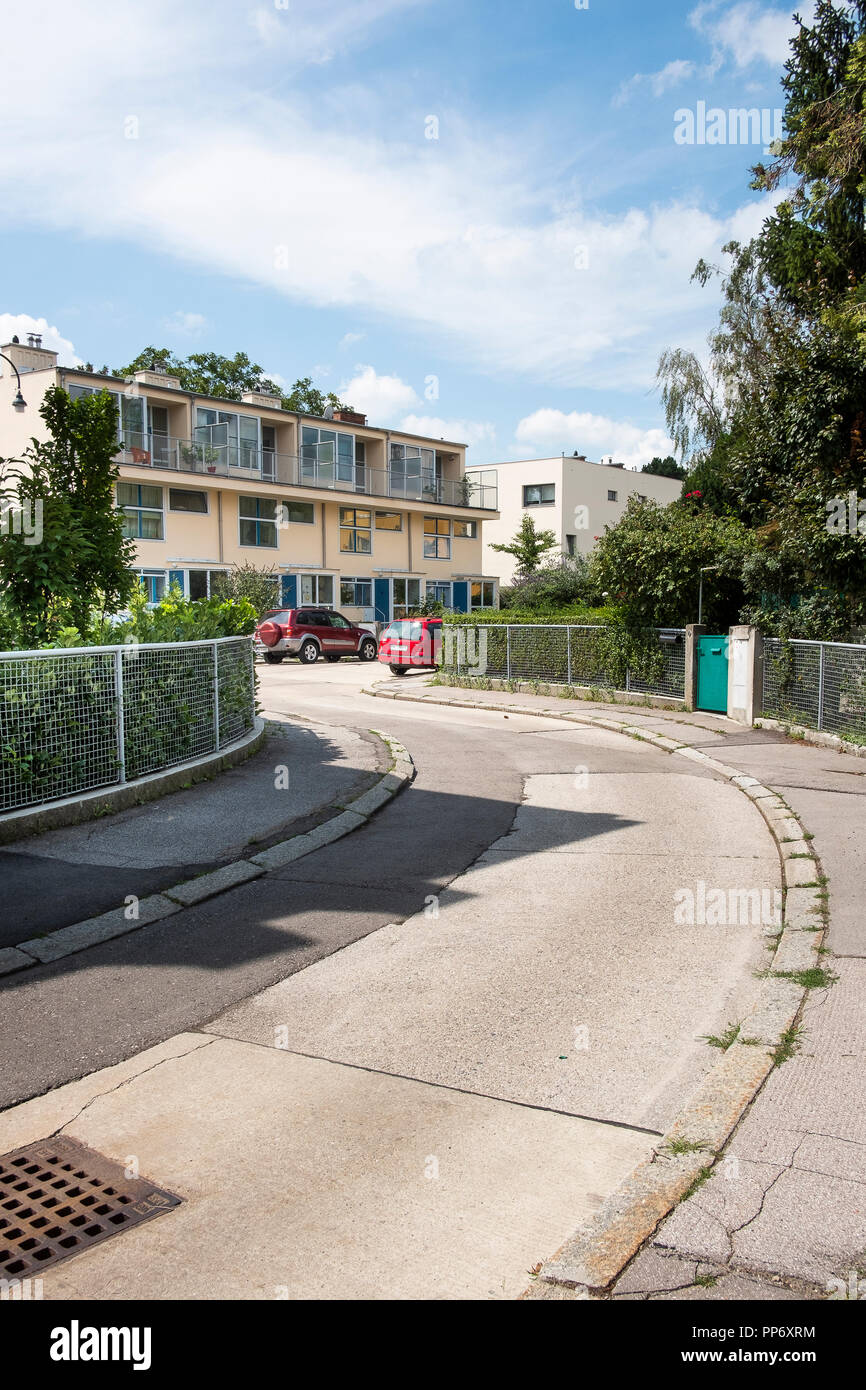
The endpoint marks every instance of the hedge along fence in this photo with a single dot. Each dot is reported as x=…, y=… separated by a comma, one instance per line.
x=609, y=658
x=75, y=720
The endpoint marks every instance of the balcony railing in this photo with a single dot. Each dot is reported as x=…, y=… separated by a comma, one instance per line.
x=241, y=461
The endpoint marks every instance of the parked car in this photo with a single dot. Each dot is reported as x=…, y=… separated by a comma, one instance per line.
x=309, y=633
x=411, y=644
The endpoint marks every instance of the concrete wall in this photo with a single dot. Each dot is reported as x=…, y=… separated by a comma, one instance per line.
x=581, y=508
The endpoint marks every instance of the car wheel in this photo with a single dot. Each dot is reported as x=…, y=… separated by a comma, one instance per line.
x=367, y=650
x=333, y=658
x=398, y=670
x=273, y=658
x=309, y=653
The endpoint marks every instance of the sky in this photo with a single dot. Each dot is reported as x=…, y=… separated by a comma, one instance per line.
x=473, y=219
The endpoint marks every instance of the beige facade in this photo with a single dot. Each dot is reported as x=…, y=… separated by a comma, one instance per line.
x=366, y=520
x=571, y=496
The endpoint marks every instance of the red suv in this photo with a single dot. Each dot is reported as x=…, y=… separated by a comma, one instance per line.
x=309, y=633
x=411, y=643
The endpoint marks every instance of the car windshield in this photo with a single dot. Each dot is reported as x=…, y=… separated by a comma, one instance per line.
x=413, y=631
x=280, y=616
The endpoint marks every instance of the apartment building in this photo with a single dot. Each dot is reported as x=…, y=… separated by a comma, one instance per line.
x=569, y=495
x=370, y=521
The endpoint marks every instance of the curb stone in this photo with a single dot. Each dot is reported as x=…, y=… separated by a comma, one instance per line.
x=595, y=1255
x=66, y=941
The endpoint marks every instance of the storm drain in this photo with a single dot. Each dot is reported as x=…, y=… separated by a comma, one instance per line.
x=58, y=1197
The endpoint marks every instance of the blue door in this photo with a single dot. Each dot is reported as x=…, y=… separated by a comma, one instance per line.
x=460, y=596
x=289, y=590
x=713, y=674
x=382, y=600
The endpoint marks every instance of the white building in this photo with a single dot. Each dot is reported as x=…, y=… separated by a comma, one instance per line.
x=569, y=495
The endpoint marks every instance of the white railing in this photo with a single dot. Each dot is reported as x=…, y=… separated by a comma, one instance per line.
x=75, y=719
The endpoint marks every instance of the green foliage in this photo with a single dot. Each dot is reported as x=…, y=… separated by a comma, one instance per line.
x=650, y=565
x=527, y=546
x=247, y=581
x=560, y=583
x=665, y=467
x=82, y=560
x=226, y=378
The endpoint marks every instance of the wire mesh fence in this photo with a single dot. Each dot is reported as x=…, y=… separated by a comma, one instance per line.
x=77, y=720
x=819, y=684
x=569, y=654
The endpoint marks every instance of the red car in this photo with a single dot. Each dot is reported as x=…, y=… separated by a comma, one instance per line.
x=309, y=633
x=411, y=643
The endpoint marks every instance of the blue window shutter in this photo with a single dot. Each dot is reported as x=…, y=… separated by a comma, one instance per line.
x=460, y=596
x=382, y=600
x=176, y=577
x=289, y=590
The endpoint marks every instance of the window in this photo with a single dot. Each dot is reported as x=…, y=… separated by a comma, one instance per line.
x=303, y=513
x=317, y=588
x=612, y=496
x=482, y=593
x=326, y=455
x=222, y=434
x=201, y=583
x=257, y=521
x=570, y=542
x=439, y=591
x=130, y=414
x=437, y=539
x=407, y=597
x=155, y=584
x=413, y=471
x=539, y=495
x=337, y=620
x=182, y=500
x=389, y=521
x=356, y=593
x=466, y=530
x=142, y=511
x=355, y=533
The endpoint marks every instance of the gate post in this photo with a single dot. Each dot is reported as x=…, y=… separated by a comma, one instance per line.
x=690, y=693
x=745, y=674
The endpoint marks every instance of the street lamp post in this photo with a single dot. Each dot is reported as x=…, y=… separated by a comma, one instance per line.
x=18, y=402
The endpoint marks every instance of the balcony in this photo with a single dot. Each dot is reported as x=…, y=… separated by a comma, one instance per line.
x=244, y=463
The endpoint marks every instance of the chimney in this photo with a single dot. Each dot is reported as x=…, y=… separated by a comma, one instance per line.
x=350, y=417
x=30, y=356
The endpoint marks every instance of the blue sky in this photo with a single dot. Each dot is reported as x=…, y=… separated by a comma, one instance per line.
x=260, y=174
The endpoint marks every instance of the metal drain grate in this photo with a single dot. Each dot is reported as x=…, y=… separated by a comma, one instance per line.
x=58, y=1197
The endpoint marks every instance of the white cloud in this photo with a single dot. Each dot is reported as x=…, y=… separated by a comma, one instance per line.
x=550, y=432
x=190, y=325
x=383, y=398
x=349, y=339
x=457, y=431
x=12, y=325
x=747, y=32
x=468, y=248
x=671, y=75
x=314, y=31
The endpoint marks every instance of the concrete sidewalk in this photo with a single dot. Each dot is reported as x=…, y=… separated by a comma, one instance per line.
x=64, y=876
x=784, y=1212
x=430, y=1110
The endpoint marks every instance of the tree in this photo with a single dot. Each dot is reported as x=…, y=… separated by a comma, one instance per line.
x=527, y=546
x=649, y=564
x=227, y=378
x=246, y=581
x=82, y=560
x=665, y=467
x=561, y=582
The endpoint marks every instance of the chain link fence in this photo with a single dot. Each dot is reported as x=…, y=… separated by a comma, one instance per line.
x=570, y=654
x=75, y=720
x=819, y=684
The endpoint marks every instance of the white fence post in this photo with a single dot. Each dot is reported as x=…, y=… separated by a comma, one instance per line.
x=508, y=652
x=568, y=651
x=821, y=687
x=118, y=695
x=216, y=698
